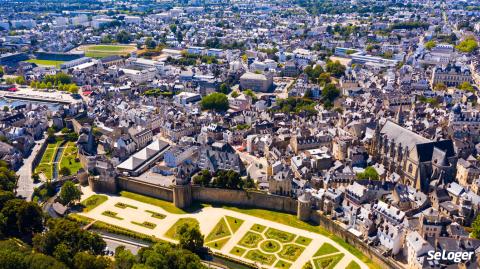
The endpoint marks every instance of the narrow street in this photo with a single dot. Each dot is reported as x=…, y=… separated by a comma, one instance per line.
x=25, y=183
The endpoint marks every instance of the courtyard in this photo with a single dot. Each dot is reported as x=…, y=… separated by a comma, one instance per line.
x=244, y=237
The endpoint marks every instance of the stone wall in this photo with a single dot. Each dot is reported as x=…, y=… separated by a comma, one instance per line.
x=384, y=262
x=244, y=198
x=36, y=160
x=257, y=199
x=145, y=188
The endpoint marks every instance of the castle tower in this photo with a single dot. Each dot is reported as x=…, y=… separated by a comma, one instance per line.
x=304, y=207
x=182, y=191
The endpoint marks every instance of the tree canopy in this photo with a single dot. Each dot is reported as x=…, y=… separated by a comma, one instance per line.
x=468, y=45
x=369, y=173
x=216, y=101
x=69, y=193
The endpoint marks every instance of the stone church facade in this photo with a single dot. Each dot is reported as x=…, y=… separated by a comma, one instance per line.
x=418, y=161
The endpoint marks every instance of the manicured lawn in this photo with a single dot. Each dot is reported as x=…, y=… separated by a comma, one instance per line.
x=123, y=206
x=282, y=264
x=46, y=62
x=173, y=231
x=291, y=220
x=167, y=206
x=46, y=169
x=291, y=252
x=325, y=249
x=219, y=231
x=107, y=227
x=258, y=228
x=256, y=255
x=111, y=214
x=156, y=214
x=93, y=201
x=237, y=251
x=48, y=155
x=270, y=246
x=234, y=223
x=100, y=51
x=69, y=158
x=46, y=163
x=303, y=241
x=109, y=47
x=218, y=244
x=250, y=240
x=281, y=236
x=327, y=262
x=353, y=265
x=145, y=224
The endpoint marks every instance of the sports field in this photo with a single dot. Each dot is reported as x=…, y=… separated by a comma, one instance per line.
x=100, y=51
x=46, y=62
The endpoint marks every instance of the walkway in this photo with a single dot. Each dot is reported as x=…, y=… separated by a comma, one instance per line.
x=25, y=183
x=208, y=217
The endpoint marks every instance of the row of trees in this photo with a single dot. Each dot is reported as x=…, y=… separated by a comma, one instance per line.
x=223, y=179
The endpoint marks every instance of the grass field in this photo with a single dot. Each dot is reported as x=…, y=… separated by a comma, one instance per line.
x=325, y=249
x=46, y=62
x=69, y=158
x=219, y=231
x=100, y=51
x=167, y=206
x=173, y=231
x=93, y=201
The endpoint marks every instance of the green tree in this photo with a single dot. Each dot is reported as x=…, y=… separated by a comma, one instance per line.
x=69, y=193
x=476, y=228
x=149, y=43
x=368, y=173
x=29, y=218
x=21, y=217
x=65, y=171
x=440, y=87
x=84, y=260
x=228, y=179
x=203, y=178
x=216, y=101
x=430, y=45
x=324, y=78
x=335, y=68
x=65, y=239
x=468, y=45
x=173, y=28
x=124, y=259
x=191, y=238
x=224, y=88
x=466, y=86
x=123, y=37
x=249, y=92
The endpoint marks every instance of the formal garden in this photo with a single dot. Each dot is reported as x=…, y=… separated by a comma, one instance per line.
x=327, y=257
x=222, y=232
x=67, y=162
x=254, y=242
x=270, y=246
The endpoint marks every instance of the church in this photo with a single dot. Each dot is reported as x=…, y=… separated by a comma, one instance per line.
x=418, y=161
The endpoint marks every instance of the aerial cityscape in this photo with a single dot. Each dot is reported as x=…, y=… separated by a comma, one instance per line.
x=238, y=134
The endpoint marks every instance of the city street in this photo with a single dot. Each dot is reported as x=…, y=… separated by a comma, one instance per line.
x=25, y=183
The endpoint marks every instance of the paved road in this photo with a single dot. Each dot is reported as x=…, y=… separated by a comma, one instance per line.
x=113, y=242
x=25, y=183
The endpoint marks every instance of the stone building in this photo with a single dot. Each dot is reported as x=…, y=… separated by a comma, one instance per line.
x=416, y=159
x=451, y=75
x=256, y=82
